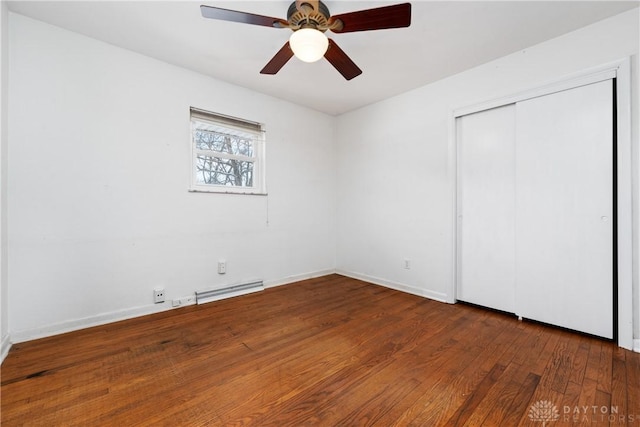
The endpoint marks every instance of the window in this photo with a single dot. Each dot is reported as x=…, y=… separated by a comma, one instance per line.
x=227, y=154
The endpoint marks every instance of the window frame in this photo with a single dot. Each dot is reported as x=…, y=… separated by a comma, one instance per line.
x=232, y=124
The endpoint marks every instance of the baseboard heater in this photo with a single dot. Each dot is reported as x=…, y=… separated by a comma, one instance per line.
x=228, y=292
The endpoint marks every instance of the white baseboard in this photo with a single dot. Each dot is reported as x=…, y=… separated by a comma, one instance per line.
x=438, y=296
x=636, y=346
x=104, y=318
x=5, y=346
x=297, y=278
x=87, y=322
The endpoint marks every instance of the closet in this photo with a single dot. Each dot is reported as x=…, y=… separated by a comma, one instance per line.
x=536, y=219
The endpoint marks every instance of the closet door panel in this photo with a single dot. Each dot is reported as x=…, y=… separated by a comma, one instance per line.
x=486, y=262
x=564, y=209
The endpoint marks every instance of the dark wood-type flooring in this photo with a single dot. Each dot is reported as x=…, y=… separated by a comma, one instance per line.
x=331, y=351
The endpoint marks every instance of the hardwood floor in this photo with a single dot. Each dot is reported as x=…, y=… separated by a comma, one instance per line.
x=331, y=351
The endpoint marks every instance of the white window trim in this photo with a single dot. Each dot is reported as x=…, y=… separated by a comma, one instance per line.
x=259, y=175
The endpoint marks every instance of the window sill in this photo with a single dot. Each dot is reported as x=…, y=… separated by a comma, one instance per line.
x=237, y=193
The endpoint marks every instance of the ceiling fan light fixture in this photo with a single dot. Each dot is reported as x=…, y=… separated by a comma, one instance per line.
x=308, y=44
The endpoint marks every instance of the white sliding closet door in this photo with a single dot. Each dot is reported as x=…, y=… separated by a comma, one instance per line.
x=486, y=211
x=564, y=209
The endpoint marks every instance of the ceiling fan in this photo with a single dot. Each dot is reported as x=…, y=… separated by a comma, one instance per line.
x=309, y=20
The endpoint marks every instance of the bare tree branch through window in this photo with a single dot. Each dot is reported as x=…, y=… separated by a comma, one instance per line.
x=224, y=157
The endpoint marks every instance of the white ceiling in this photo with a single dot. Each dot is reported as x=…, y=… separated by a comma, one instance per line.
x=444, y=38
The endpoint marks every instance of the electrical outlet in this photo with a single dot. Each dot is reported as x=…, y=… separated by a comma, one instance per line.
x=407, y=264
x=158, y=295
x=222, y=266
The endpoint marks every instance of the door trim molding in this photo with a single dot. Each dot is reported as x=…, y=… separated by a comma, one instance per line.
x=593, y=75
x=621, y=71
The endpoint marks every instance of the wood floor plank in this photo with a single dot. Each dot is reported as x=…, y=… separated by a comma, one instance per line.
x=605, y=368
x=586, y=402
x=632, y=365
x=519, y=407
x=603, y=400
x=571, y=398
x=580, y=359
x=620, y=398
x=329, y=351
x=471, y=367
x=368, y=361
x=492, y=408
x=448, y=377
x=593, y=360
x=564, y=365
x=464, y=411
x=331, y=343
x=427, y=364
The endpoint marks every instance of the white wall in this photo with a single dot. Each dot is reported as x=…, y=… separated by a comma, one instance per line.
x=4, y=92
x=99, y=171
x=396, y=171
x=98, y=201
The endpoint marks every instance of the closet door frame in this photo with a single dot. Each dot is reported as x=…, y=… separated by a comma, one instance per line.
x=621, y=72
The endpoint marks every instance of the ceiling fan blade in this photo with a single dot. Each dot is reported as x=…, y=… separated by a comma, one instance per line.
x=242, y=17
x=395, y=16
x=341, y=61
x=278, y=61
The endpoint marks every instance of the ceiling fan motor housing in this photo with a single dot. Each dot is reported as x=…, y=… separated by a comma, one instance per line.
x=308, y=17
